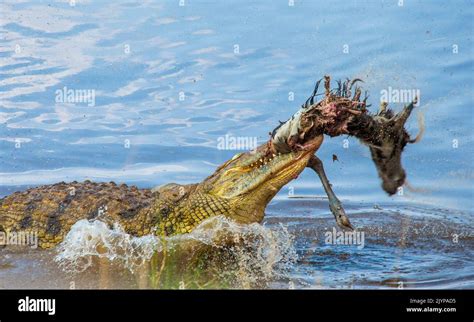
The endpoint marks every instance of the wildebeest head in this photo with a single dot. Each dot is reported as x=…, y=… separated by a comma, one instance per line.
x=387, y=144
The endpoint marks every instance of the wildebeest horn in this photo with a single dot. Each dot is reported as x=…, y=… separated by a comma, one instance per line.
x=402, y=117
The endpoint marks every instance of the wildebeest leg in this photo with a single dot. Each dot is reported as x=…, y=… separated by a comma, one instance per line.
x=334, y=204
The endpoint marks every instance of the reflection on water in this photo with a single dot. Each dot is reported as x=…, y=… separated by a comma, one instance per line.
x=401, y=250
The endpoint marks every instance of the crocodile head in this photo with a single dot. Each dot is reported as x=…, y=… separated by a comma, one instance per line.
x=250, y=180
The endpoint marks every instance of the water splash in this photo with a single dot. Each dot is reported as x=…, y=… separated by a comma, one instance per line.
x=250, y=254
x=89, y=239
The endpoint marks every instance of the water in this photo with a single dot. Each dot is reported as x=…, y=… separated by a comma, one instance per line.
x=171, y=81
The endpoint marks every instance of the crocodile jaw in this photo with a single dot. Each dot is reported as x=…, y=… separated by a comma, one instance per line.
x=250, y=180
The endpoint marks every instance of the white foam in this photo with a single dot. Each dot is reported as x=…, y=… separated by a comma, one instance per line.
x=260, y=251
x=89, y=239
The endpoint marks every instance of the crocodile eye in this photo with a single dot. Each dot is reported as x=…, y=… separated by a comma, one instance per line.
x=165, y=211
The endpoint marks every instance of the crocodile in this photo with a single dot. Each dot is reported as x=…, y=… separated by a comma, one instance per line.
x=239, y=189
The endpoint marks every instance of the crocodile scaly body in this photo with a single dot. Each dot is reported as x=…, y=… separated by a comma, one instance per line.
x=50, y=211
